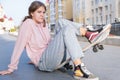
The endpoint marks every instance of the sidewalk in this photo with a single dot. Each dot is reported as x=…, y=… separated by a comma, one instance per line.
x=100, y=63
x=112, y=40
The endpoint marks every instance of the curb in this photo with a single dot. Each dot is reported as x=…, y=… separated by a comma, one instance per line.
x=111, y=40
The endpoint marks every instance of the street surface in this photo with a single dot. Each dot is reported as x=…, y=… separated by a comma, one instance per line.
x=104, y=64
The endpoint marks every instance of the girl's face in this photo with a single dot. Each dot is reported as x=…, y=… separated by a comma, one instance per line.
x=39, y=15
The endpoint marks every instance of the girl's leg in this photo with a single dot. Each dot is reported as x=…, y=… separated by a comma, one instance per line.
x=53, y=55
x=72, y=29
x=65, y=37
x=61, y=23
x=75, y=52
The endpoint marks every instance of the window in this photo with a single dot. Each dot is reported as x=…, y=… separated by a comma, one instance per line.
x=83, y=4
x=92, y=3
x=110, y=18
x=106, y=18
x=92, y=20
x=106, y=8
x=92, y=11
x=96, y=10
x=110, y=6
x=96, y=19
x=96, y=1
x=119, y=9
x=101, y=20
x=106, y=0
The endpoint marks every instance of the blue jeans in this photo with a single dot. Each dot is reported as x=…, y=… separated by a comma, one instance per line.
x=65, y=42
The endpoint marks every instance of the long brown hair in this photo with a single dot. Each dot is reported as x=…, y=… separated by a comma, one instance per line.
x=33, y=7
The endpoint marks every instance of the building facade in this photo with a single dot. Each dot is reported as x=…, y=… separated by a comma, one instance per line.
x=57, y=9
x=96, y=12
x=88, y=12
x=79, y=11
x=104, y=11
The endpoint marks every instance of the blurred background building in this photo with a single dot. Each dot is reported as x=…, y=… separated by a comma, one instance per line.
x=57, y=9
x=88, y=12
x=105, y=11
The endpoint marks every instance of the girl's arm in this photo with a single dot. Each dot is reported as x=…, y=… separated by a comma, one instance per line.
x=23, y=36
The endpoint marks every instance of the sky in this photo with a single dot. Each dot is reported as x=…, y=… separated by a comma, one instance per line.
x=17, y=9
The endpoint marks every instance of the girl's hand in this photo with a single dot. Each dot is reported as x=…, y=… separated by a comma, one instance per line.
x=4, y=72
x=83, y=31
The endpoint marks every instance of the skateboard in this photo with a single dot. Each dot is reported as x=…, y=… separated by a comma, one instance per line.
x=94, y=43
x=97, y=46
x=99, y=38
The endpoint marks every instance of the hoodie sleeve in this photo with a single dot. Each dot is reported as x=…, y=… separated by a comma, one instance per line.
x=23, y=36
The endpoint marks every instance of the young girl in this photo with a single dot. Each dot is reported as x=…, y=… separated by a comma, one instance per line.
x=46, y=53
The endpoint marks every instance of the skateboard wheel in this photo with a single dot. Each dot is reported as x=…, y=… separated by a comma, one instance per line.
x=100, y=47
x=95, y=49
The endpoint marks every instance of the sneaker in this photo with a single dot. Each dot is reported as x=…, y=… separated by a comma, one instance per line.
x=82, y=72
x=98, y=34
x=90, y=35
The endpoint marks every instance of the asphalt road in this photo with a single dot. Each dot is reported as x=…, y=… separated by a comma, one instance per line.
x=104, y=64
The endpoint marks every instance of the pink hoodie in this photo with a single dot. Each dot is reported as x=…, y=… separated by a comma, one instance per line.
x=33, y=37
